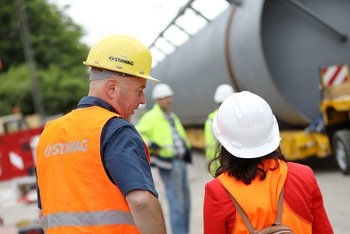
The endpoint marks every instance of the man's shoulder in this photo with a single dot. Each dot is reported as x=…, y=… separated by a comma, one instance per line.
x=122, y=128
x=212, y=114
x=150, y=114
x=118, y=122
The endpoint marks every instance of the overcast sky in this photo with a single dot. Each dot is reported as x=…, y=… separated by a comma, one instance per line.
x=143, y=19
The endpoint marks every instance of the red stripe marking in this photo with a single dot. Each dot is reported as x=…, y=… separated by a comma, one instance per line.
x=335, y=75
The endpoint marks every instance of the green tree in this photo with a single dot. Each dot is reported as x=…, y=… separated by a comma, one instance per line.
x=58, y=54
x=60, y=94
x=54, y=36
x=14, y=90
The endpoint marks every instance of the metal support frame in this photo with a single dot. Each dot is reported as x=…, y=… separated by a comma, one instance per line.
x=173, y=23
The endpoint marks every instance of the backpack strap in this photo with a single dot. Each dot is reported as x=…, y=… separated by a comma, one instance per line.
x=245, y=217
x=279, y=207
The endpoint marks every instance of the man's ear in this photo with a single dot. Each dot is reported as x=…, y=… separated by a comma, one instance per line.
x=111, y=87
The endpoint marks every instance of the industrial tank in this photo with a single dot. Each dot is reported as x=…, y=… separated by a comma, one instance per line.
x=273, y=48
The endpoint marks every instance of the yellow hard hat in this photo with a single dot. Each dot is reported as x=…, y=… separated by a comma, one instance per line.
x=121, y=53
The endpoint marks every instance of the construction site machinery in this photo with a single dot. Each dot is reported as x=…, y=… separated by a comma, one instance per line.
x=276, y=49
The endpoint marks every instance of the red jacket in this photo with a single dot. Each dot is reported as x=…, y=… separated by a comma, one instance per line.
x=302, y=197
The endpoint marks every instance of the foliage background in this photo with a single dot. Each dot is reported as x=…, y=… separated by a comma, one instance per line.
x=58, y=53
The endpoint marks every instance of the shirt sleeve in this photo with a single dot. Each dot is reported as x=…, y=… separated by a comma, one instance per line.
x=218, y=210
x=303, y=196
x=125, y=158
x=321, y=223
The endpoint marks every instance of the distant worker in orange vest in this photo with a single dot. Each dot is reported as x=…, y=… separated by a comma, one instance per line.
x=93, y=170
x=253, y=171
x=222, y=92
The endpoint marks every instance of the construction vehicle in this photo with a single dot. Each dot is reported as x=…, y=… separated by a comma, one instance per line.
x=276, y=49
x=329, y=134
x=335, y=108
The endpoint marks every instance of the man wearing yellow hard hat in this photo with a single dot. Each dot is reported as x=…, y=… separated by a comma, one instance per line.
x=93, y=168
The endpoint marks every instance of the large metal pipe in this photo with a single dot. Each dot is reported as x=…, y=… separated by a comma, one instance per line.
x=272, y=48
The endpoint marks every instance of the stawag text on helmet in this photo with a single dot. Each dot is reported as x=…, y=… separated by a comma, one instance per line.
x=112, y=58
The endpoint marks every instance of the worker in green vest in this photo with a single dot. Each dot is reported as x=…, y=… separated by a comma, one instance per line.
x=222, y=92
x=170, y=151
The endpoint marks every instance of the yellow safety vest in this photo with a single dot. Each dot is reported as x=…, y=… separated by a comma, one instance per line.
x=154, y=127
x=210, y=141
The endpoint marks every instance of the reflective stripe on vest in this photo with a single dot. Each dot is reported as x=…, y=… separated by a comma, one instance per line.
x=108, y=217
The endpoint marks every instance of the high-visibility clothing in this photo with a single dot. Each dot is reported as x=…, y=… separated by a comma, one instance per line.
x=210, y=141
x=209, y=137
x=154, y=127
x=76, y=194
x=303, y=208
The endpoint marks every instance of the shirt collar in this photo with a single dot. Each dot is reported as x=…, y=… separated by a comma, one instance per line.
x=88, y=101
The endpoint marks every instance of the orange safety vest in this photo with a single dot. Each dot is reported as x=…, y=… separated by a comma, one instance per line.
x=259, y=200
x=76, y=194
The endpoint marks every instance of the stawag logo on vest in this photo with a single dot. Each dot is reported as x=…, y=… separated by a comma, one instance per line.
x=121, y=60
x=66, y=148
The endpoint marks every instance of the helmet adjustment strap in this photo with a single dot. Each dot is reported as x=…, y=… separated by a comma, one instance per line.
x=106, y=73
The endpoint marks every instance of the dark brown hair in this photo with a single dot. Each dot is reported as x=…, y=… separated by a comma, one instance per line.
x=241, y=168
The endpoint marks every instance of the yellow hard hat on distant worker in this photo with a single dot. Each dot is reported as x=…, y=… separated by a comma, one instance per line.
x=121, y=53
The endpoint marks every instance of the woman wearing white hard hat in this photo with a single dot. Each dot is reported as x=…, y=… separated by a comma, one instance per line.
x=253, y=173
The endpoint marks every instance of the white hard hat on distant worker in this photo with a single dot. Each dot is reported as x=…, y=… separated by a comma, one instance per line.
x=162, y=91
x=120, y=53
x=222, y=92
x=245, y=126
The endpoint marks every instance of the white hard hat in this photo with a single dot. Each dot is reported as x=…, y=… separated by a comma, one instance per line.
x=161, y=91
x=246, y=126
x=222, y=92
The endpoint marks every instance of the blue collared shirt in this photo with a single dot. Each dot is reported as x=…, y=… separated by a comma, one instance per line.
x=123, y=152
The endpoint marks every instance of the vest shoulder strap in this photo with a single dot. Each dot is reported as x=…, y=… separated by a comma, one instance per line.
x=245, y=217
